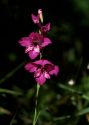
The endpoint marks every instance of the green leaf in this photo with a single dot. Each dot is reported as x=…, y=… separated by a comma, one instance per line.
x=4, y=111
x=10, y=91
x=70, y=89
x=83, y=112
x=10, y=74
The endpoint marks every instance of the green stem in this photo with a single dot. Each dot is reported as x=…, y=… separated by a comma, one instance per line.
x=36, y=114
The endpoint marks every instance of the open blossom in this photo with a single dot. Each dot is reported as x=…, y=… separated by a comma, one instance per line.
x=34, y=43
x=42, y=70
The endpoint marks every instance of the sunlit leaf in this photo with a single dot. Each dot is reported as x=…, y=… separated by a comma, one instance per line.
x=4, y=111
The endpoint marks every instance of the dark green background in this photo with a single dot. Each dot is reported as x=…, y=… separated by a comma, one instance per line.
x=61, y=103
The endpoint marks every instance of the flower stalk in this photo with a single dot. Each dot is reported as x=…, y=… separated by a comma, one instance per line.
x=36, y=112
x=42, y=69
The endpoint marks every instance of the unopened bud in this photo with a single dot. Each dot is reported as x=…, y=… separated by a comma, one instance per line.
x=40, y=15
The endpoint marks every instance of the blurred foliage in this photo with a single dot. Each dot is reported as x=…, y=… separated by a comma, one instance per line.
x=60, y=101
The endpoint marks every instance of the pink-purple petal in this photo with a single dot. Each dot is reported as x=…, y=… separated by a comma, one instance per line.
x=39, y=62
x=37, y=73
x=29, y=48
x=25, y=41
x=55, y=71
x=46, y=42
x=43, y=62
x=41, y=80
x=37, y=49
x=31, y=35
x=35, y=36
x=47, y=26
x=32, y=54
x=46, y=75
x=46, y=62
x=31, y=67
x=35, y=19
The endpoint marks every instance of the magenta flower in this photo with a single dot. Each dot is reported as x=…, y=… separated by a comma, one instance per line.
x=42, y=70
x=45, y=29
x=34, y=43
